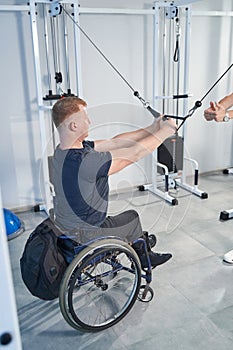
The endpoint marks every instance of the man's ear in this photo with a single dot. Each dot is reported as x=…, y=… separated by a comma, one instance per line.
x=73, y=126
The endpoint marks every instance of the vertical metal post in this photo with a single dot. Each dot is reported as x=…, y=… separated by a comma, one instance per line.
x=47, y=50
x=186, y=57
x=154, y=186
x=186, y=74
x=9, y=327
x=66, y=47
x=77, y=50
x=44, y=161
x=155, y=84
x=164, y=49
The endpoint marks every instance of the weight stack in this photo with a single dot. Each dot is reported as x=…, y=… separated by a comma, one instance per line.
x=171, y=154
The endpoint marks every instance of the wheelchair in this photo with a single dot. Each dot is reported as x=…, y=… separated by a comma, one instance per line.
x=102, y=282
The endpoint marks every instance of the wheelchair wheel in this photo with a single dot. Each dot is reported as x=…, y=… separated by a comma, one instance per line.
x=100, y=286
x=145, y=294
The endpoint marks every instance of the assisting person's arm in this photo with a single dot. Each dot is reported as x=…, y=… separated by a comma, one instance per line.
x=227, y=101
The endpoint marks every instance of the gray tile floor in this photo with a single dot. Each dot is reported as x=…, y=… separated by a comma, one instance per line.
x=193, y=303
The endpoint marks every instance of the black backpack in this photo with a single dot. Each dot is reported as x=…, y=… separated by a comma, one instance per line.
x=42, y=263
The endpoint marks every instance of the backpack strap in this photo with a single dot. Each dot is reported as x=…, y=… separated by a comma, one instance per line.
x=54, y=228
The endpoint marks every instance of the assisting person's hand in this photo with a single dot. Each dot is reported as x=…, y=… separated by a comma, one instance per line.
x=215, y=112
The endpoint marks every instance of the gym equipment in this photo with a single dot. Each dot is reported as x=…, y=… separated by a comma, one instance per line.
x=61, y=68
x=174, y=17
x=228, y=171
x=172, y=22
x=56, y=12
x=226, y=214
x=228, y=257
x=14, y=226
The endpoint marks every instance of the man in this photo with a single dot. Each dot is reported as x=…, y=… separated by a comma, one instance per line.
x=219, y=111
x=80, y=176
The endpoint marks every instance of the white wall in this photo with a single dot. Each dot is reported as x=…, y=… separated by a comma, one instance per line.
x=127, y=42
x=211, y=54
x=19, y=144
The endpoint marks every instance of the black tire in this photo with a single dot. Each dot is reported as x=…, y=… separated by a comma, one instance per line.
x=149, y=294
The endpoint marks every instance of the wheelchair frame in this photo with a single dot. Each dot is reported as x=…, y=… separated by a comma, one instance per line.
x=102, y=283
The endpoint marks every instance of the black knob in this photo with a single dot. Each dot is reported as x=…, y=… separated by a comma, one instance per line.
x=198, y=104
x=5, y=338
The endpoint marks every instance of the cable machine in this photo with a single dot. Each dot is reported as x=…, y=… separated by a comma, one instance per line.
x=57, y=58
x=57, y=66
x=61, y=68
x=172, y=23
x=169, y=21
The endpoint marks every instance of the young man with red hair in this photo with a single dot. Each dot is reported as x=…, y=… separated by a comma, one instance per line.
x=80, y=176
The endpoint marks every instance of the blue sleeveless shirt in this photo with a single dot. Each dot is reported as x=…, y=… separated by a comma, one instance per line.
x=80, y=180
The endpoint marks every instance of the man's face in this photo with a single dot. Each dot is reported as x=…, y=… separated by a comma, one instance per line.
x=83, y=121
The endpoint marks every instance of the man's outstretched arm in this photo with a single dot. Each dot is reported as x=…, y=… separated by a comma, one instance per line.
x=123, y=157
x=127, y=139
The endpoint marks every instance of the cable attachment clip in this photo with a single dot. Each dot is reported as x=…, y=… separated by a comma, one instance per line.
x=197, y=105
x=147, y=105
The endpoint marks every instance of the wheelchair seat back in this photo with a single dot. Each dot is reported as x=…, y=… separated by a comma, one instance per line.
x=69, y=247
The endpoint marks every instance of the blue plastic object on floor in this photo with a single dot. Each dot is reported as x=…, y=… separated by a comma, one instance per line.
x=13, y=224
